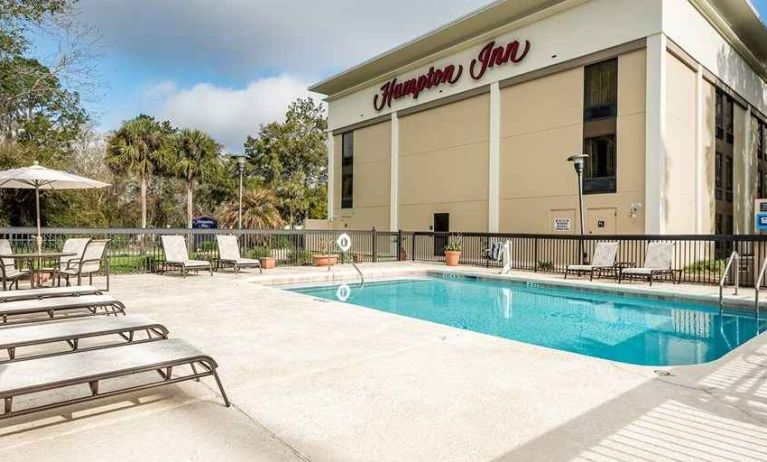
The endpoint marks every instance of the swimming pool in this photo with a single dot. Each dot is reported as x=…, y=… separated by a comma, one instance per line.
x=623, y=328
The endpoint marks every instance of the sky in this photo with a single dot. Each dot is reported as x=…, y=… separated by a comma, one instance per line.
x=228, y=66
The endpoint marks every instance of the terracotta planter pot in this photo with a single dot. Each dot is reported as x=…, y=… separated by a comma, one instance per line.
x=324, y=260
x=267, y=262
x=44, y=277
x=452, y=257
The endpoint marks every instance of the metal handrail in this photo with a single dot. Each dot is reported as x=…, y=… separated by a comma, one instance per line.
x=758, y=284
x=734, y=257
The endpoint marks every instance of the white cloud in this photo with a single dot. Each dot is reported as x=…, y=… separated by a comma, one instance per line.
x=230, y=114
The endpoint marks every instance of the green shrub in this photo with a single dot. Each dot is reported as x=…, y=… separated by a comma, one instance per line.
x=300, y=257
x=207, y=246
x=706, y=266
x=545, y=266
x=259, y=252
x=128, y=264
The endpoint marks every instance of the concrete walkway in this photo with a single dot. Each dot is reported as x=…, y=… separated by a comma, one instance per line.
x=319, y=380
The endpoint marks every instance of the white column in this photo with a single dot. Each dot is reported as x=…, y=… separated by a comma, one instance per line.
x=494, y=165
x=655, y=156
x=700, y=150
x=331, y=175
x=394, y=174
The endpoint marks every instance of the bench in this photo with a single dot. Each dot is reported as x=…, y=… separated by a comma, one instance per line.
x=37, y=294
x=92, y=367
x=59, y=307
x=71, y=332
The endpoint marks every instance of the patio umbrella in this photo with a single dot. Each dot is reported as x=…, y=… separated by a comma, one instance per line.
x=38, y=177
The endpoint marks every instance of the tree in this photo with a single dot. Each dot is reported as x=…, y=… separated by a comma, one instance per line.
x=259, y=211
x=137, y=148
x=193, y=157
x=291, y=158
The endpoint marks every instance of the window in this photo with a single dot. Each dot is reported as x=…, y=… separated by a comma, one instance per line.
x=729, y=119
x=730, y=180
x=719, y=115
x=719, y=174
x=599, y=171
x=600, y=112
x=347, y=170
x=601, y=90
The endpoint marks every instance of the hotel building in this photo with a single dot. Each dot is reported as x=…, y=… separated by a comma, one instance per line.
x=468, y=127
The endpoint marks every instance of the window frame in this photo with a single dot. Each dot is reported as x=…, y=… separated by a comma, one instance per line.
x=347, y=169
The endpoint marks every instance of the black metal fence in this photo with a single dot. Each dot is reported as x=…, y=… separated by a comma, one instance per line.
x=701, y=258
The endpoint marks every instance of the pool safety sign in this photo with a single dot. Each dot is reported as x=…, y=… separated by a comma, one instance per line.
x=344, y=242
x=760, y=215
x=563, y=224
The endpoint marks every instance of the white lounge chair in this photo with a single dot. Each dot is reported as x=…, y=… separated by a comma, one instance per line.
x=604, y=259
x=177, y=256
x=229, y=254
x=88, y=263
x=657, y=262
x=48, y=292
x=58, y=307
x=116, y=330
x=174, y=360
x=8, y=270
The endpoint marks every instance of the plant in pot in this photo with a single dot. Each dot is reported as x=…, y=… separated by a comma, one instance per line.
x=264, y=255
x=326, y=258
x=453, y=251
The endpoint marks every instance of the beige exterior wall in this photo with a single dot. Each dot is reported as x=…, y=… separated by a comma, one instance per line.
x=743, y=163
x=372, y=150
x=542, y=125
x=443, y=166
x=681, y=104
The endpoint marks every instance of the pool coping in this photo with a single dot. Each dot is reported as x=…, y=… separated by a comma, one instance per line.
x=730, y=302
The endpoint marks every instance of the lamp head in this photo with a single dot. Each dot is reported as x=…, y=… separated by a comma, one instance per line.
x=578, y=160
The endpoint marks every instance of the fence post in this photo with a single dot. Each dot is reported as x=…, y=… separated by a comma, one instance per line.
x=535, y=255
x=375, y=245
x=412, y=244
x=399, y=245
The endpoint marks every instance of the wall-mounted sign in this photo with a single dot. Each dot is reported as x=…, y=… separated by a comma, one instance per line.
x=489, y=56
x=563, y=224
x=760, y=215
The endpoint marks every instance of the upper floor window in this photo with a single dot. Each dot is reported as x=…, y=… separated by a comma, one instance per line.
x=600, y=127
x=347, y=170
x=600, y=169
x=725, y=117
x=601, y=90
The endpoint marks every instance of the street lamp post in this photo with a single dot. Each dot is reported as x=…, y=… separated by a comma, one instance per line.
x=241, y=170
x=578, y=161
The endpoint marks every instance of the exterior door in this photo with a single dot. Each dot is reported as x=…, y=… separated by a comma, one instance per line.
x=601, y=221
x=441, y=225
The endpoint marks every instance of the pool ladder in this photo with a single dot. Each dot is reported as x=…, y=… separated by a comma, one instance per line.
x=734, y=257
x=759, y=281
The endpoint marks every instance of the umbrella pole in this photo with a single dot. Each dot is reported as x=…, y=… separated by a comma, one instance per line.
x=39, y=237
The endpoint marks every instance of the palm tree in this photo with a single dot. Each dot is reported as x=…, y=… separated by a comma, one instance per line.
x=259, y=211
x=135, y=148
x=193, y=156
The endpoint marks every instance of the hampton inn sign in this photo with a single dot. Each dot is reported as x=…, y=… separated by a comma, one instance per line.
x=489, y=56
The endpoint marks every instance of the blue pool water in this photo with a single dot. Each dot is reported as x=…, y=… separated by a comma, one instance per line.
x=616, y=327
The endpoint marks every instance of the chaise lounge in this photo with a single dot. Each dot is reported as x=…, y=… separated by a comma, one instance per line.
x=59, y=307
x=603, y=260
x=93, y=367
x=48, y=292
x=177, y=256
x=132, y=329
x=657, y=262
x=229, y=254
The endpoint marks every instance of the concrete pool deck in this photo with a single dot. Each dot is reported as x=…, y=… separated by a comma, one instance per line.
x=320, y=380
